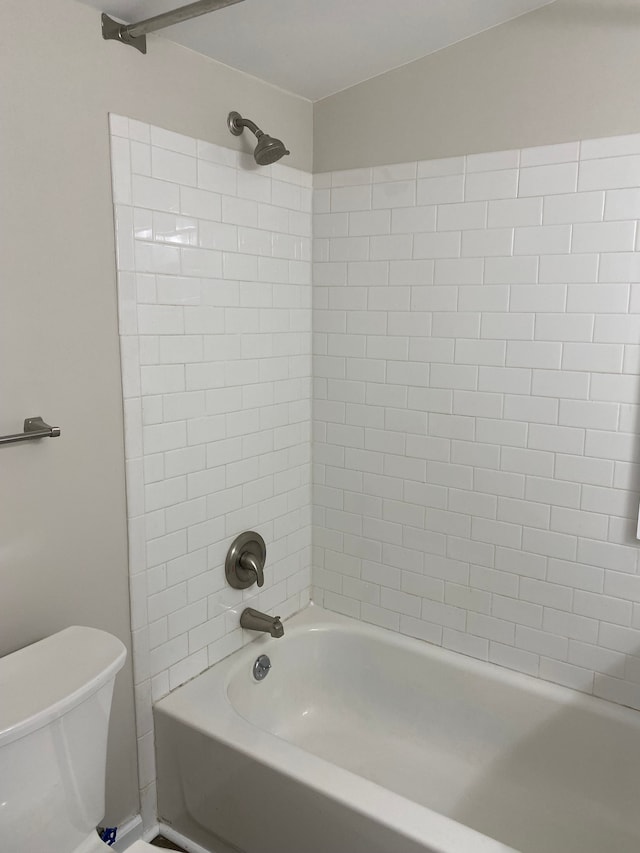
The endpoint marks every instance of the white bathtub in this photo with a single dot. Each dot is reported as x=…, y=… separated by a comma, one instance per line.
x=363, y=741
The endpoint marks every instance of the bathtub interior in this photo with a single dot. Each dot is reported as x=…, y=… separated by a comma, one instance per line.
x=497, y=752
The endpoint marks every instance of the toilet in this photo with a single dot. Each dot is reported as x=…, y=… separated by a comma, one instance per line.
x=55, y=701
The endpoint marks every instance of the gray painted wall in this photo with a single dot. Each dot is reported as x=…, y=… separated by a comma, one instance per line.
x=62, y=503
x=567, y=71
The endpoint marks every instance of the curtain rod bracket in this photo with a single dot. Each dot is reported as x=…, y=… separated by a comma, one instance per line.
x=136, y=34
x=113, y=30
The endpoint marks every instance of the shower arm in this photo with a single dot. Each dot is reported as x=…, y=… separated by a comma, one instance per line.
x=237, y=124
x=136, y=34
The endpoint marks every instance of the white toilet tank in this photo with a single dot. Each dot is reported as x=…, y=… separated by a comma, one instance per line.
x=55, y=700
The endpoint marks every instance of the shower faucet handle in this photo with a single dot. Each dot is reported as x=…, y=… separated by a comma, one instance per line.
x=245, y=561
x=251, y=564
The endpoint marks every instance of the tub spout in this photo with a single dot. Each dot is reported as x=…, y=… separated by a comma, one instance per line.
x=254, y=620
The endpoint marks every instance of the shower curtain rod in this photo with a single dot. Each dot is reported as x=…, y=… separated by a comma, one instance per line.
x=136, y=34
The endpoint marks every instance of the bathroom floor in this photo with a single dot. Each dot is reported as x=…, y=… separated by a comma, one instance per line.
x=166, y=845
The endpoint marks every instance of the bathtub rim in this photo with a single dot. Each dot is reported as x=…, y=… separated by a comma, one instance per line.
x=218, y=718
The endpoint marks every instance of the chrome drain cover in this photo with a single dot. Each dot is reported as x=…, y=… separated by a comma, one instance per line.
x=261, y=667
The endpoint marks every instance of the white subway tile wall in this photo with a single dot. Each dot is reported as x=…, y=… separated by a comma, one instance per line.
x=476, y=401
x=214, y=287
x=476, y=340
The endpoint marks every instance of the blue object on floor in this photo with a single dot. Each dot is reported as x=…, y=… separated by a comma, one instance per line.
x=109, y=835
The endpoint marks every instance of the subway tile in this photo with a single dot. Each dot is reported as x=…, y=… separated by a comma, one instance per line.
x=492, y=161
x=488, y=298
x=408, y=272
x=459, y=271
x=515, y=212
x=579, y=523
x=480, y=352
x=460, y=217
x=501, y=629
x=542, y=240
x=155, y=194
x=394, y=194
x=568, y=269
x=604, y=237
x=573, y=208
x=437, y=245
x=391, y=247
x=608, y=555
x=565, y=152
x=542, y=642
x=575, y=575
x=538, y=298
x=540, y=354
x=615, y=389
x=546, y=594
x=565, y=327
x=217, y=178
x=444, y=166
x=364, y=223
x=600, y=358
x=486, y=186
x=583, y=413
x=410, y=220
x=609, y=173
x=622, y=204
x=611, y=146
x=571, y=625
x=511, y=270
x=502, y=583
x=617, y=690
x=596, y=658
x=200, y=203
x=395, y=172
x=617, y=329
x=602, y=607
x=440, y=190
x=466, y=644
x=350, y=198
x=217, y=153
x=548, y=180
x=172, y=166
x=597, y=298
x=513, y=658
x=173, y=141
x=508, y=326
x=487, y=243
x=522, y=512
x=567, y=675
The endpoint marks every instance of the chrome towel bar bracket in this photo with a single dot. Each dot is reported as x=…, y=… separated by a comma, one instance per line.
x=33, y=428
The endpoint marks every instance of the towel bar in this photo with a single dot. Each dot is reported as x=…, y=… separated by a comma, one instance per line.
x=33, y=428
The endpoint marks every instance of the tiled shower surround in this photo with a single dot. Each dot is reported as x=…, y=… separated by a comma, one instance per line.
x=476, y=360
x=214, y=284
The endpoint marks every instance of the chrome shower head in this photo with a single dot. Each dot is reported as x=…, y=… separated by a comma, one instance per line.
x=268, y=150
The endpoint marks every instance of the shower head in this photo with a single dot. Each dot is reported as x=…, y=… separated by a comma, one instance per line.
x=268, y=149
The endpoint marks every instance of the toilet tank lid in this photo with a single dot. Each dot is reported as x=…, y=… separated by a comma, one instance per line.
x=44, y=680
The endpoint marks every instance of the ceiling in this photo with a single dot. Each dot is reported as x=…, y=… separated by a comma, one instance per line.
x=318, y=47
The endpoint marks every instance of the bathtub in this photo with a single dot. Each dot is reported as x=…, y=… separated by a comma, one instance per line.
x=360, y=740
